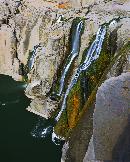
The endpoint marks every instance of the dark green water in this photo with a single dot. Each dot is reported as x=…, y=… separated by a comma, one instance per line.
x=16, y=142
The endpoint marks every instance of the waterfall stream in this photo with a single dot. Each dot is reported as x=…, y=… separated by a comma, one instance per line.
x=32, y=58
x=43, y=130
x=76, y=35
x=92, y=54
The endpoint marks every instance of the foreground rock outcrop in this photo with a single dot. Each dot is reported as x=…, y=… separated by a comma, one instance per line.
x=111, y=121
x=103, y=134
x=111, y=116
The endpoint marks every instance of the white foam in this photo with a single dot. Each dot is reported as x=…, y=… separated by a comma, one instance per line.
x=41, y=133
x=56, y=138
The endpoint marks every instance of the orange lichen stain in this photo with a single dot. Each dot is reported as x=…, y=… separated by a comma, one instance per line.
x=63, y=5
x=75, y=111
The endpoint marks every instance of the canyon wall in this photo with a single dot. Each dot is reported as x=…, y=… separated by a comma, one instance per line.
x=36, y=43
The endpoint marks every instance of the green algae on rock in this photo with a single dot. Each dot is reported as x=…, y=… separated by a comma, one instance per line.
x=96, y=74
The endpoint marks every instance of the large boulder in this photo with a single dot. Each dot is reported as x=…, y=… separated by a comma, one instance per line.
x=111, y=119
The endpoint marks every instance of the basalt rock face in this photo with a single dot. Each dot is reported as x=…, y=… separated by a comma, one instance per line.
x=36, y=40
x=54, y=38
x=8, y=61
x=113, y=115
x=29, y=23
x=103, y=134
x=110, y=139
x=118, y=43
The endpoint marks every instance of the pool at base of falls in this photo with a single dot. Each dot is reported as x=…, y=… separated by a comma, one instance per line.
x=17, y=128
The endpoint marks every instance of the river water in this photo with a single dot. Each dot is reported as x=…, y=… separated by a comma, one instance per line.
x=16, y=125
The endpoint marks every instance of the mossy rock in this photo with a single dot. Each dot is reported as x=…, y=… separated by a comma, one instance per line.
x=61, y=127
x=95, y=76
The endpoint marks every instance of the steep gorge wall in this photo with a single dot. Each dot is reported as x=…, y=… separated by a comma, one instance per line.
x=33, y=24
x=29, y=23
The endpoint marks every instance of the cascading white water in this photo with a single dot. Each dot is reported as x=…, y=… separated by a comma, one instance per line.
x=32, y=59
x=41, y=129
x=74, y=53
x=43, y=133
x=92, y=54
x=56, y=139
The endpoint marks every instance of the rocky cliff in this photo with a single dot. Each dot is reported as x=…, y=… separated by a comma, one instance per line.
x=110, y=140
x=64, y=50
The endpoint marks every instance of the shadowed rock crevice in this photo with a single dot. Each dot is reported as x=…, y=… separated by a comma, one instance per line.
x=121, y=150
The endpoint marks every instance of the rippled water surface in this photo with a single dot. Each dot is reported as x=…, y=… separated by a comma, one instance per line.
x=18, y=128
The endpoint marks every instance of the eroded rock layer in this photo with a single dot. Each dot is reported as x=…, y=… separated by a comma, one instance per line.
x=36, y=46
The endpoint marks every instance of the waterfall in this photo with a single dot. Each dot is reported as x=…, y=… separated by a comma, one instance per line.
x=32, y=59
x=92, y=55
x=76, y=35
